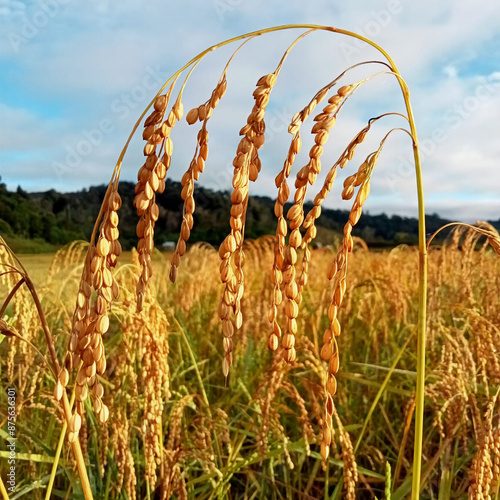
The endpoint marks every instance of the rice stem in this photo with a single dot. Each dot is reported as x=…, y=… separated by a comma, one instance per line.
x=3, y=491
x=58, y=453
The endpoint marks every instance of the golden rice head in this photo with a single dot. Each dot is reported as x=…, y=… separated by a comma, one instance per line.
x=483, y=466
x=338, y=273
x=279, y=246
x=7, y=280
x=315, y=212
x=155, y=376
x=148, y=212
x=91, y=320
x=496, y=459
x=204, y=111
x=247, y=166
x=20, y=315
x=350, y=469
x=120, y=434
x=491, y=234
x=23, y=323
x=197, y=166
x=151, y=180
x=321, y=132
x=265, y=397
x=67, y=257
x=307, y=175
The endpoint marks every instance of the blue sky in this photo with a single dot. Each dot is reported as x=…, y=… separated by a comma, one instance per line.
x=76, y=76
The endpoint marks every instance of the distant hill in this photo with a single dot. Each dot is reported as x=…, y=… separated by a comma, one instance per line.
x=34, y=222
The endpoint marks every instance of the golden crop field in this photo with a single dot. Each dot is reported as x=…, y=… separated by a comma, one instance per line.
x=176, y=427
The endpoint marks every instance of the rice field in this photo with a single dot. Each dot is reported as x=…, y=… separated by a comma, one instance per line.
x=177, y=429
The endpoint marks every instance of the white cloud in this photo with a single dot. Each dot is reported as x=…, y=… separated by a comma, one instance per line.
x=94, y=62
x=450, y=71
x=11, y=8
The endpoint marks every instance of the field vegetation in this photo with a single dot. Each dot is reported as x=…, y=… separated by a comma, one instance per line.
x=175, y=423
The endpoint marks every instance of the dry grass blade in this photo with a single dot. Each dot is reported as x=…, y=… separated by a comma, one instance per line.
x=482, y=228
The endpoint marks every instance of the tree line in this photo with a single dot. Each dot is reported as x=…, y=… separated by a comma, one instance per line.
x=35, y=222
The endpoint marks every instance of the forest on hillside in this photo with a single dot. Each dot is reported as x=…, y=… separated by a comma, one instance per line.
x=37, y=222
